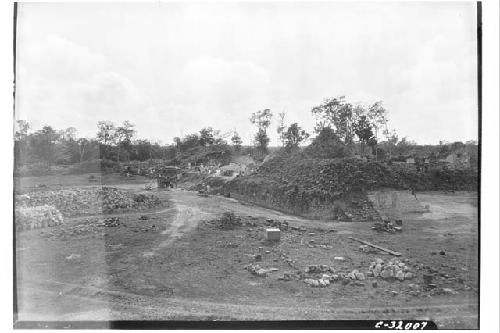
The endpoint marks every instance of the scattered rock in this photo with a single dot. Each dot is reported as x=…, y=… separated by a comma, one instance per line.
x=364, y=248
x=414, y=287
x=73, y=256
x=36, y=217
x=392, y=269
x=449, y=291
x=89, y=200
x=256, y=270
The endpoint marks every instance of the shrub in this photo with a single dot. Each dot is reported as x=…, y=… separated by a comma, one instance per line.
x=229, y=221
x=140, y=197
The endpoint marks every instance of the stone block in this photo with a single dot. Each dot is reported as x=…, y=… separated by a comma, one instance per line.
x=273, y=234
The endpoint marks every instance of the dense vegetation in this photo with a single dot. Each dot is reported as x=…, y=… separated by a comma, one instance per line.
x=343, y=130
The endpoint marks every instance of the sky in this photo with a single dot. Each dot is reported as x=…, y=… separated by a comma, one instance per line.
x=173, y=68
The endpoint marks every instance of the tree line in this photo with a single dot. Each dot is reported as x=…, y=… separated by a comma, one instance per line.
x=339, y=126
x=348, y=123
x=113, y=142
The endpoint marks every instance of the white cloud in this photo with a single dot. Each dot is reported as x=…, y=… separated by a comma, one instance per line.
x=60, y=77
x=173, y=68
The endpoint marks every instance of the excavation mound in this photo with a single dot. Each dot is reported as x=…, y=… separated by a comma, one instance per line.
x=89, y=200
x=316, y=188
x=337, y=188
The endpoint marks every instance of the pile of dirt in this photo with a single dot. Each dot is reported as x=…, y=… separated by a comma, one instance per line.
x=317, y=188
x=37, y=217
x=89, y=200
x=336, y=188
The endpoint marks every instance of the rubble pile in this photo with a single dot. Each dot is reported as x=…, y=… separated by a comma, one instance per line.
x=88, y=226
x=386, y=226
x=37, y=217
x=228, y=220
x=323, y=282
x=320, y=276
x=89, y=200
x=312, y=272
x=393, y=269
x=282, y=225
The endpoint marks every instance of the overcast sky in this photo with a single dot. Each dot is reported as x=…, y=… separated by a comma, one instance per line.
x=173, y=68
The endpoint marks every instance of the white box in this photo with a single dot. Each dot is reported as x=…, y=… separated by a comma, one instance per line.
x=273, y=234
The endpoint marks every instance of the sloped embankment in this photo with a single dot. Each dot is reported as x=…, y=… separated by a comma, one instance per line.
x=316, y=188
x=335, y=188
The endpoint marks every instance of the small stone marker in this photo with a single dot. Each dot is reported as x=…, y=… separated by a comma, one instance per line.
x=273, y=234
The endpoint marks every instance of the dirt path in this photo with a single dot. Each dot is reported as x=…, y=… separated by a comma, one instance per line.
x=186, y=219
x=191, y=209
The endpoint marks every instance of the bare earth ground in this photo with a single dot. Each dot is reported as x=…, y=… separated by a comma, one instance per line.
x=171, y=265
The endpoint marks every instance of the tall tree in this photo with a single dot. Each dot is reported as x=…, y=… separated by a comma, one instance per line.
x=337, y=114
x=377, y=115
x=106, y=132
x=364, y=131
x=106, y=135
x=261, y=141
x=294, y=135
x=207, y=136
x=43, y=144
x=21, y=145
x=261, y=119
x=236, y=141
x=281, y=128
x=68, y=134
x=392, y=139
x=124, y=135
x=23, y=128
